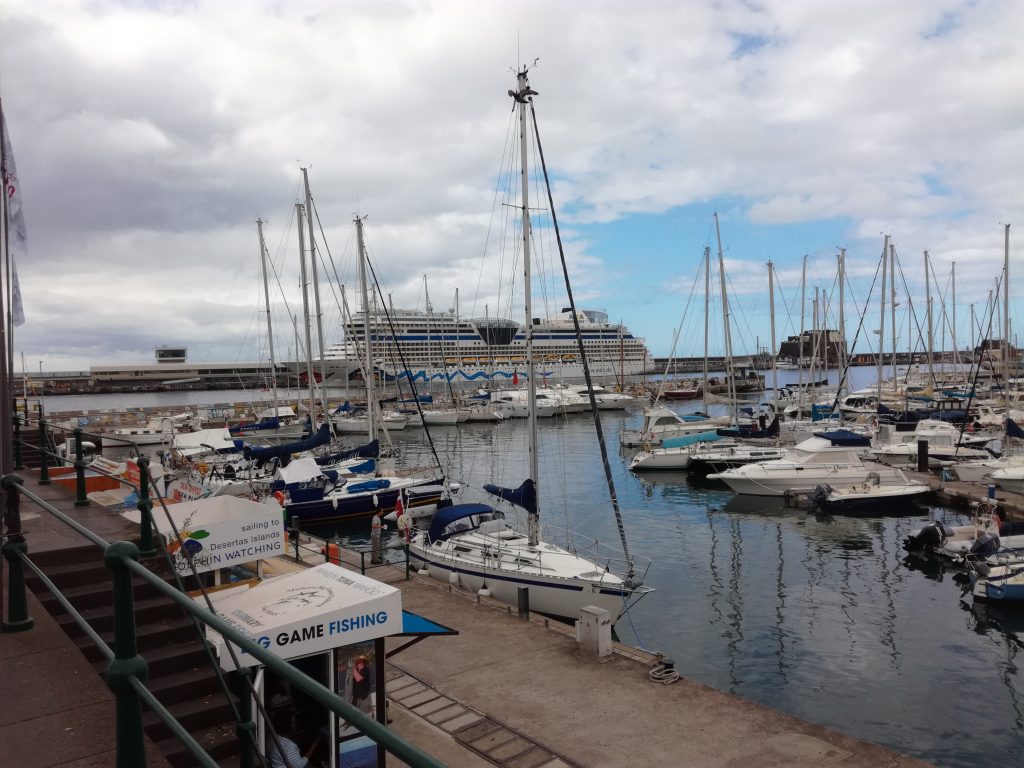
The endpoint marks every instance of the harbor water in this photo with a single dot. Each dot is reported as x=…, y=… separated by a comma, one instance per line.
x=824, y=618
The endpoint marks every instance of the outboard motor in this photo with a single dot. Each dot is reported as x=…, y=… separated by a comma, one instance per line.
x=820, y=494
x=928, y=538
x=985, y=545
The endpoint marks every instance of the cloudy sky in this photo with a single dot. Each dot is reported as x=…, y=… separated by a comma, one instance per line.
x=149, y=136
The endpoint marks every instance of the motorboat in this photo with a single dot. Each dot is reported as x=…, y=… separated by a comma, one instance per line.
x=1010, y=478
x=944, y=440
x=999, y=577
x=156, y=430
x=709, y=459
x=869, y=498
x=827, y=457
x=662, y=423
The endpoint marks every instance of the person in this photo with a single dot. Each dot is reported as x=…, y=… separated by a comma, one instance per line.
x=362, y=691
x=283, y=751
x=375, y=530
x=404, y=520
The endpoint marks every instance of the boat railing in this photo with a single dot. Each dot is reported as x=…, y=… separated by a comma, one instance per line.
x=127, y=670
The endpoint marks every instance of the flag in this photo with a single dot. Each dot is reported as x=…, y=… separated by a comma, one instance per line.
x=515, y=378
x=17, y=234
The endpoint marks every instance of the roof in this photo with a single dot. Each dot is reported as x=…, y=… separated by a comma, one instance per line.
x=845, y=438
x=455, y=512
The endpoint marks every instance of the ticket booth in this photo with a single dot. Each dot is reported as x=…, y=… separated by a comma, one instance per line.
x=330, y=623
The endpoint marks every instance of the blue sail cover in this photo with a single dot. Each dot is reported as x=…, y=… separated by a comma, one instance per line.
x=343, y=408
x=369, y=451
x=1013, y=429
x=283, y=453
x=481, y=396
x=368, y=485
x=524, y=496
x=685, y=440
x=446, y=515
x=823, y=412
x=845, y=438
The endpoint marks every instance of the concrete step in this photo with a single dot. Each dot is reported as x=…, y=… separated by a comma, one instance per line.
x=71, y=574
x=193, y=714
x=101, y=618
x=219, y=741
x=148, y=637
x=187, y=685
x=96, y=593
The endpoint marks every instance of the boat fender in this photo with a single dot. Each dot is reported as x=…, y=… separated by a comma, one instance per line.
x=332, y=552
x=280, y=497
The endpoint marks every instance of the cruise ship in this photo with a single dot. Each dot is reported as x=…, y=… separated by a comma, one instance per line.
x=423, y=346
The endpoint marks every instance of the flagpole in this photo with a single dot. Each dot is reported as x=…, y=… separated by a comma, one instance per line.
x=8, y=290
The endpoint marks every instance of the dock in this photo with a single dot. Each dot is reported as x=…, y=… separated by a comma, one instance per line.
x=507, y=691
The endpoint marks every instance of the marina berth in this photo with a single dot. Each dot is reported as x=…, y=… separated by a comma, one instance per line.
x=828, y=457
x=869, y=498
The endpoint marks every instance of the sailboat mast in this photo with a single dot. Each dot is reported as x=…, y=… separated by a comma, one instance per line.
x=305, y=311
x=803, y=326
x=707, y=299
x=928, y=306
x=892, y=303
x=956, y=348
x=533, y=524
x=725, y=325
x=368, y=366
x=881, y=322
x=1006, y=326
x=316, y=298
x=842, y=312
x=771, y=311
x=270, y=328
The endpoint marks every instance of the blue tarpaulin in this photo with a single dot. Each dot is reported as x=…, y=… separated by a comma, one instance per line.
x=682, y=442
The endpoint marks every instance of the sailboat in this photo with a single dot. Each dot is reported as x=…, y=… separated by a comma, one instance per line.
x=473, y=545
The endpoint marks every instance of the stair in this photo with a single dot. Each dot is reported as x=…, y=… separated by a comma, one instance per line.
x=180, y=675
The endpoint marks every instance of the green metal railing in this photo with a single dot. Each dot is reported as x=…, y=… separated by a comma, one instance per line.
x=127, y=671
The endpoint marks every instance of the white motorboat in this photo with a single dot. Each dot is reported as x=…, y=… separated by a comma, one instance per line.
x=828, y=457
x=662, y=423
x=980, y=470
x=157, y=430
x=999, y=577
x=1010, y=478
x=869, y=498
x=944, y=440
x=711, y=458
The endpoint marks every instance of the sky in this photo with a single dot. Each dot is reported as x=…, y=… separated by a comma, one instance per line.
x=150, y=136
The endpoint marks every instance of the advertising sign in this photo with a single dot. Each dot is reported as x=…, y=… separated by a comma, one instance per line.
x=311, y=611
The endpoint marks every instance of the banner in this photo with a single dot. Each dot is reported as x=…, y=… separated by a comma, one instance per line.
x=17, y=236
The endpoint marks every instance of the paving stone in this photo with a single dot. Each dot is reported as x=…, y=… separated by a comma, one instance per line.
x=409, y=690
x=446, y=714
x=411, y=702
x=460, y=722
x=509, y=749
x=491, y=740
x=400, y=682
x=472, y=732
x=432, y=706
x=556, y=763
x=535, y=758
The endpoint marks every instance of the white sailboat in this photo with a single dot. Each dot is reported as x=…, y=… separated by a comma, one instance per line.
x=472, y=545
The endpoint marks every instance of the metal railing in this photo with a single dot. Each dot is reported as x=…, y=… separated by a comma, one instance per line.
x=127, y=671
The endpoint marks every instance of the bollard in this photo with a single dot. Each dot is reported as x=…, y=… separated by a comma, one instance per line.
x=524, y=602
x=80, y=498
x=407, y=564
x=922, y=455
x=992, y=490
x=127, y=663
x=18, y=464
x=44, y=460
x=147, y=547
x=246, y=728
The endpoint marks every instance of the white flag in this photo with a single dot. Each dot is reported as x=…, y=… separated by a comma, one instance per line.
x=17, y=234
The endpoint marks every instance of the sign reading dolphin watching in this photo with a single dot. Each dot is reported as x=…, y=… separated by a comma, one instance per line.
x=309, y=611
x=222, y=531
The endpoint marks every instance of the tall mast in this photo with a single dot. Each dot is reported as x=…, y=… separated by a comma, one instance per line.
x=707, y=298
x=522, y=96
x=305, y=313
x=928, y=305
x=367, y=342
x=316, y=298
x=731, y=383
x=771, y=311
x=803, y=326
x=881, y=323
x=842, y=311
x=892, y=303
x=956, y=348
x=1006, y=325
x=270, y=329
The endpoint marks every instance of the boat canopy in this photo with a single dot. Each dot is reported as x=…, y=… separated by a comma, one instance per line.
x=1013, y=429
x=844, y=438
x=685, y=440
x=448, y=515
x=751, y=431
x=524, y=496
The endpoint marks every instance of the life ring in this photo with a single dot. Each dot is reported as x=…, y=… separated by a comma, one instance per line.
x=280, y=497
x=202, y=468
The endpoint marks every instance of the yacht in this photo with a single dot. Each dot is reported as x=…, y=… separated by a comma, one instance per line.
x=833, y=458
